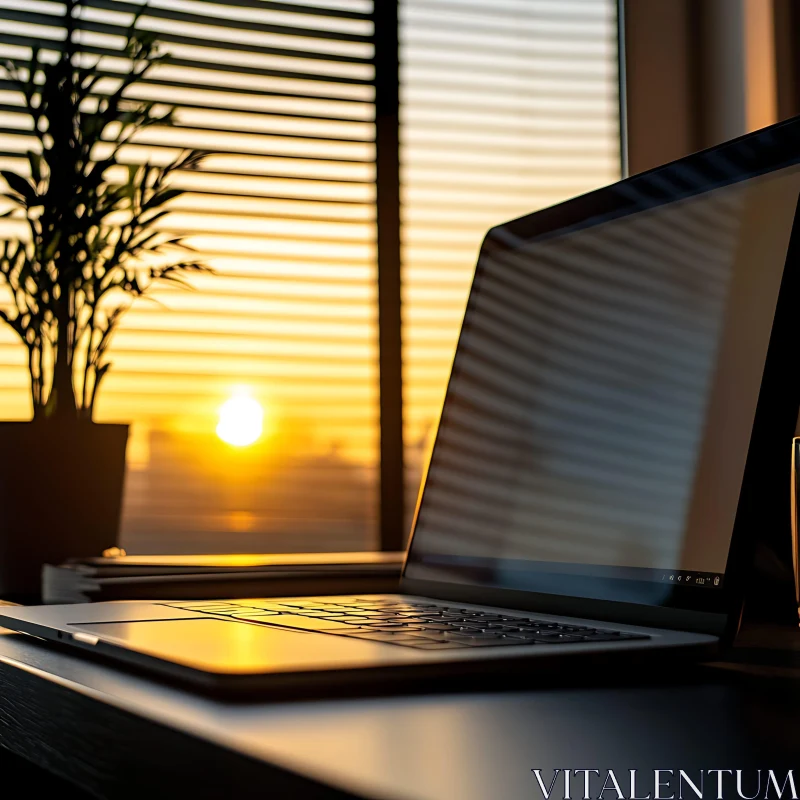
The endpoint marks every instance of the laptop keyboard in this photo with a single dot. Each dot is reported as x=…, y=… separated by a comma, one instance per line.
x=422, y=625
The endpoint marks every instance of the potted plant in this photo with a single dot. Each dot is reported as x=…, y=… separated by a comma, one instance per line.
x=91, y=244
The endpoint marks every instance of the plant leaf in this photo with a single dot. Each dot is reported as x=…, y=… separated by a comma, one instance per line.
x=21, y=186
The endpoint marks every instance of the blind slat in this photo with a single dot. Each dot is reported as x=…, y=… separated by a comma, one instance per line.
x=160, y=12
x=289, y=8
x=82, y=24
x=239, y=69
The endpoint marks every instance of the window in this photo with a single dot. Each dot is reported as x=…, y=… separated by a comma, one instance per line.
x=505, y=107
x=283, y=211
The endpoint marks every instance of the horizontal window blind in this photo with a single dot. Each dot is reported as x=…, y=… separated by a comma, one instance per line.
x=506, y=107
x=282, y=94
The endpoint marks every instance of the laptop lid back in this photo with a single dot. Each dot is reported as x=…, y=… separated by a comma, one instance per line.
x=617, y=420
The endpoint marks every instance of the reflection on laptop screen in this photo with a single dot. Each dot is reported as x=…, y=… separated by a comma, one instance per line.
x=596, y=426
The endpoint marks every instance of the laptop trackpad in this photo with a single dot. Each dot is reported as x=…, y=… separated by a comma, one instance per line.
x=227, y=646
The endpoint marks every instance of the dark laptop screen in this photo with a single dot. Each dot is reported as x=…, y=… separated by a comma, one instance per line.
x=596, y=426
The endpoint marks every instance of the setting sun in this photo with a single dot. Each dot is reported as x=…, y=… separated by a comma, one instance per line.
x=241, y=421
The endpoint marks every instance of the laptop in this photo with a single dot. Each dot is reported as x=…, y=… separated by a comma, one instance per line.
x=615, y=431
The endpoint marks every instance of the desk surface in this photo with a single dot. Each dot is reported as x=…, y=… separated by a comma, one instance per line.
x=120, y=735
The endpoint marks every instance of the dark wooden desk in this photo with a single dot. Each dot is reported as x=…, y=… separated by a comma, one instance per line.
x=120, y=735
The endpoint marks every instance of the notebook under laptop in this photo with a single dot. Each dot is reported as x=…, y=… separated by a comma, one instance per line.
x=615, y=428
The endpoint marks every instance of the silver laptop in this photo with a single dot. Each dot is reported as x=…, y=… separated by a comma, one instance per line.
x=615, y=430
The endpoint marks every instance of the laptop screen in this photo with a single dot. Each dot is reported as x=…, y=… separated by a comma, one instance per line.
x=596, y=426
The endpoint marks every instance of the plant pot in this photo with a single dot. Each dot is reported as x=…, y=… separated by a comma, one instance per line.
x=60, y=496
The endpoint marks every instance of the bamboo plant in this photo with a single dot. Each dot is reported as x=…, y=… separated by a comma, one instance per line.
x=92, y=241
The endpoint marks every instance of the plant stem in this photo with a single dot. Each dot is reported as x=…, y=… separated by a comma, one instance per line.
x=32, y=371
x=62, y=394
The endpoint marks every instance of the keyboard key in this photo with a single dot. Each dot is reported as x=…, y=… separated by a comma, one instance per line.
x=475, y=627
x=379, y=623
x=302, y=623
x=393, y=638
x=248, y=613
x=270, y=605
x=372, y=614
x=396, y=629
x=493, y=642
x=556, y=638
x=305, y=612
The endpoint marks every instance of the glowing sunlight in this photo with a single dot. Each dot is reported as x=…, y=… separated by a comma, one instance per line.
x=241, y=420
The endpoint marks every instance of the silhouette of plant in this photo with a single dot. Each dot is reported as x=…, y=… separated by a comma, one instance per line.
x=92, y=237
